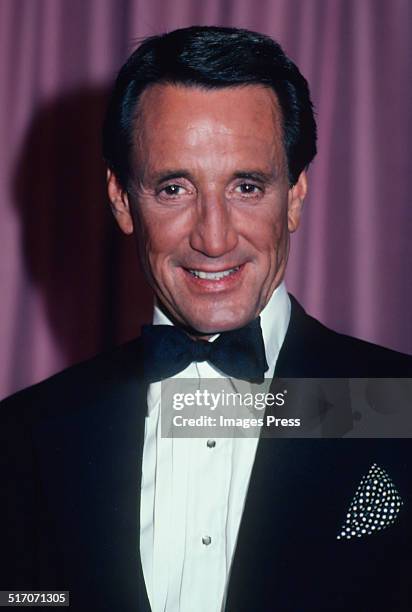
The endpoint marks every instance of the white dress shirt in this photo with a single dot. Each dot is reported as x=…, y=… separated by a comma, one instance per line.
x=194, y=490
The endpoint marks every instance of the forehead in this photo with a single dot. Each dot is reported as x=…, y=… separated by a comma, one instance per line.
x=186, y=119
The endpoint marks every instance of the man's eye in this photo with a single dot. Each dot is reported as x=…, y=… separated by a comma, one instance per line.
x=248, y=189
x=172, y=190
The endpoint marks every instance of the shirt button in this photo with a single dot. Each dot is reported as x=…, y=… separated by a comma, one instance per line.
x=211, y=443
x=206, y=540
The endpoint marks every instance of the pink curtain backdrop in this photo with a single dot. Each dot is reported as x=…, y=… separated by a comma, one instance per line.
x=70, y=286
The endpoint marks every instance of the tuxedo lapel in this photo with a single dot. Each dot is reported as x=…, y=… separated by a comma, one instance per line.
x=91, y=484
x=299, y=355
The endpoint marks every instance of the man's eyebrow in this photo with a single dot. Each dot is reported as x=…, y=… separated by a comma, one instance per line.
x=168, y=175
x=256, y=175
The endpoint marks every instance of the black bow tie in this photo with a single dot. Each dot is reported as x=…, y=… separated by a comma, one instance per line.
x=239, y=353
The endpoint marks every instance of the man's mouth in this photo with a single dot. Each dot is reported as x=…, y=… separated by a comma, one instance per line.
x=214, y=275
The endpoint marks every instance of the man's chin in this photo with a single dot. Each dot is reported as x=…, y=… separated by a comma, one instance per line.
x=206, y=321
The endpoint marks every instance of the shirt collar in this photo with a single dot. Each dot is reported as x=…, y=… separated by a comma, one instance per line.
x=274, y=320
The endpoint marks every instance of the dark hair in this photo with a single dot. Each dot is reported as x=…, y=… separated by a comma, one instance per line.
x=210, y=57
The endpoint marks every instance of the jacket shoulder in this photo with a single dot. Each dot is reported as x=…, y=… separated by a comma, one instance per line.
x=76, y=386
x=313, y=350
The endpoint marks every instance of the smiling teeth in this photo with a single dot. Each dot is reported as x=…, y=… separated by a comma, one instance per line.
x=213, y=275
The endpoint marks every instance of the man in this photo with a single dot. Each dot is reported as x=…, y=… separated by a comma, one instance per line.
x=207, y=140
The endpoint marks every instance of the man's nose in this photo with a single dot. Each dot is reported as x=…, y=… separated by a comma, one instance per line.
x=213, y=232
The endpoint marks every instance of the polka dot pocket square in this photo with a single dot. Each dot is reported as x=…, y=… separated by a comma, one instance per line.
x=375, y=506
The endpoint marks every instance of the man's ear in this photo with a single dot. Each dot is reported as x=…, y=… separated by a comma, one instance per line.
x=297, y=194
x=119, y=203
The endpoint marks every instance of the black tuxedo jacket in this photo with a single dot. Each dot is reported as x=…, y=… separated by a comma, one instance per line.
x=70, y=481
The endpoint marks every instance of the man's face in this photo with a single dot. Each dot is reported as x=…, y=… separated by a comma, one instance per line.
x=210, y=203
